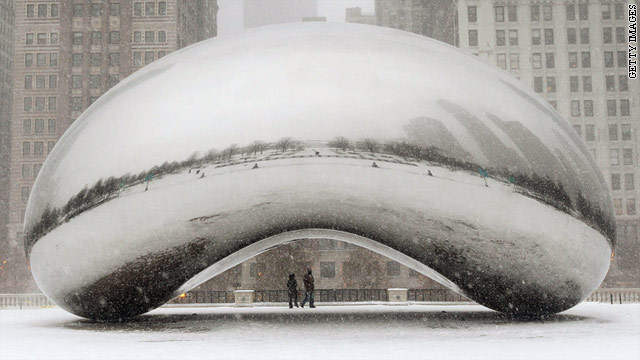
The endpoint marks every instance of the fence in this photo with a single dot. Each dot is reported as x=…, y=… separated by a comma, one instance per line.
x=19, y=301
x=616, y=296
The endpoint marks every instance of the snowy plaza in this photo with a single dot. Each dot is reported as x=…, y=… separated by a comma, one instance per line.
x=587, y=331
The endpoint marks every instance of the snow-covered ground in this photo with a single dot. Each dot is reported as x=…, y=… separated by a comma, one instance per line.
x=588, y=331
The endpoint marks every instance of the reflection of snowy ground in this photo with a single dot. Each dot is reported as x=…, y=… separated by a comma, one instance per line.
x=588, y=331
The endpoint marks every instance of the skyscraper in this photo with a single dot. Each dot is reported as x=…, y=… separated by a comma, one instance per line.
x=268, y=12
x=574, y=54
x=355, y=15
x=67, y=54
x=432, y=18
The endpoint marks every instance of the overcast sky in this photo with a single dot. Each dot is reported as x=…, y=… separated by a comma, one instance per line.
x=230, y=13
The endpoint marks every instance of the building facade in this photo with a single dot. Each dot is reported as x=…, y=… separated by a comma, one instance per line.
x=67, y=54
x=6, y=95
x=269, y=12
x=574, y=54
x=355, y=15
x=432, y=18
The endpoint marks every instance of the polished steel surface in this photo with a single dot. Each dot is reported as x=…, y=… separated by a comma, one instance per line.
x=378, y=137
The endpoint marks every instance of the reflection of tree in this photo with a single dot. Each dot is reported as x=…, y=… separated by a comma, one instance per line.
x=284, y=144
x=341, y=143
x=364, y=270
x=369, y=145
x=296, y=260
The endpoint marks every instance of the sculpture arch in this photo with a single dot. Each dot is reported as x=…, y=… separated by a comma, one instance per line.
x=389, y=140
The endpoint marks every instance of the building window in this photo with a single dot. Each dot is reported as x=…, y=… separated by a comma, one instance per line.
x=631, y=206
x=571, y=36
x=536, y=60
x=512, y=12
x=537, y=84
x=608, y=59
x=28, y=60
x=587, y=85
x=40, y=103
x=50, y=145
x=53, y=103
x=114, y=9
x=617, y=206
x=148, y=57
x=36, y=170
x=590, y=133
x=26, y=171
x=76, y=81
x=161, y=54
x=588, y=108
x=514, y=61
x=393, y=268
x=137, y=36
x=606, y=11
x=24, y=193
x=55, y=10
x=550, y=60
x=137, y=58
x=94, y=81
x=472, y=14
x=96, y=9
x=547, y=12
x=114, y=37
x=499, y=12
x=614, y=157
x=53, y=81
x=622, y=58
x=42, y=39
x=628, y=182
x=51, y=126
x=27, y=104
x=626, y=131
x=29, y=39
x=627, y=156
x=38, y=148
x=78, y=10
x=535, y=12
x=96, y=59
x=583, y=11
x=578, y=129
x=571, y=11
x=76, y=103
x=162, y=8
x=53, y=59
x=615, y=182
x=113, y=80
x=548, y=36
x=610, y=82
x=39, y=126
x=624, y=108
x=619, y=9
x=149, y=8
x=573, y=59
x=574, y=83
x=149, y=36
x=611, y=108
x=620, y=35
x=502, y=61
x=42, y=10
x=535, y=37
x=41, y=60
x=584, y=36
x=28, y=81
x=76, y=60
x=513, y=37
x=613, y=132
x=575, y=107
x=607, y=35
x=473, y=37
x=500, y=38
x=30, y=10
x=162, y=36
x=26, y=148
x=114, y=59
x=26, y=126
x=96, y=38
x=137, y=9
x=328, y=269
x=551, y=84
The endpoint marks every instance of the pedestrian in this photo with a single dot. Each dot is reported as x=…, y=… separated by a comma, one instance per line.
x=429, y=173
x=308, y=289
x=201, y=176
x=292, y=287
x=374, y=165
x=255, y=166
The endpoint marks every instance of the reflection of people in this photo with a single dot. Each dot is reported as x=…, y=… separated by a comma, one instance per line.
x=255, y=166
x=292, y=287
x=308, y=289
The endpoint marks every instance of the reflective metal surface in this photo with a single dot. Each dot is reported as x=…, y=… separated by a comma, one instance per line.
x=386, y=139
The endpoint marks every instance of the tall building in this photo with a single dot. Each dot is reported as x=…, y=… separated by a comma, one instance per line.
x=269, y=12
x=432, y=18
x=6, y=94
x=574, y=54
x=355, y=15
x=67, y=54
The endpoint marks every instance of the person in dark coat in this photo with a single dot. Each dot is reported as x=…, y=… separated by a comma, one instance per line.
x=292, y=287
x=308, y=289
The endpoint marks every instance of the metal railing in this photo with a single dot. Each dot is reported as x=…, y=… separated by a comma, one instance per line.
x=19, y=301
x=616, y=296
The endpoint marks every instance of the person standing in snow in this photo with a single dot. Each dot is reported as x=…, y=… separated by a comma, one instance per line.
x=308, y=289
x=292, y=287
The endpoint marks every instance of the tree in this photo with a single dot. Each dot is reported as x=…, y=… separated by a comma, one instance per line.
x=370, y=145
x=256, y=146
x=230, y=151
x=280, y=262
x=364, y=270
x=341, y=142
x=284, y=144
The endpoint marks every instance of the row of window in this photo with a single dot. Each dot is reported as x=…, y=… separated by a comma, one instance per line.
x=41, y=59
x=616, y=183
x=611, y=107
x=42, y=39
x=95, y=9
x=631, y=206
x=43, y=10
x=574, y=83
x=95, y=59
x=150, y=8
x=545, y=12
x=41, y=103
x=150, y=36
x=95, y=81
x=41, y=81
x=38, y=126
x=584, y=60
x=328, y=269
x=76, y=102
x=36, y=148
x=149, y=57
x=536, y=36
x=27, y=172
x=77, y=37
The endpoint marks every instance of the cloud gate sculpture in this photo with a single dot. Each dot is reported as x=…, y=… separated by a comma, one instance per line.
x=385, y=139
